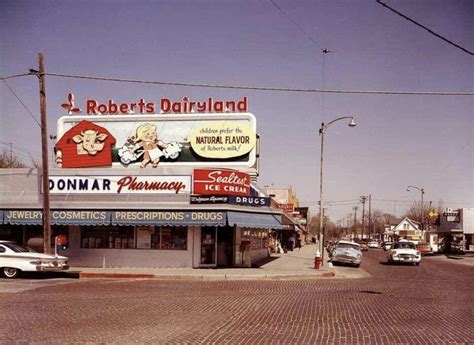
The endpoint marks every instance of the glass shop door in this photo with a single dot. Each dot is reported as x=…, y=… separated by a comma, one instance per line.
x=208, y=247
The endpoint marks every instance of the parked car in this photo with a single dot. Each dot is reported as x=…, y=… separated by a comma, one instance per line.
x=424, y=248
x=346, y=252
x=15, y=259
x=404, y=251
x=373, y=244
x=387, y=245
x=362, y=245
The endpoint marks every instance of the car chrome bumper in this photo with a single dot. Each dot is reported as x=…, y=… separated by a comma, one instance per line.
x=52, y=268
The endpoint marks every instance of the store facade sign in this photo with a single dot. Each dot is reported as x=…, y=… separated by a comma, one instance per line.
x=218, y=140
x=250, y=201
x=221, y=182
x=23, y=217
x=166, y=106
x=209, y=199
x=120, y=184
x=231, y=199
x=58, y=217
x=177, y=218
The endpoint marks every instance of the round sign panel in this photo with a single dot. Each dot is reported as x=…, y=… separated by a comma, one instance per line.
x=223, y=139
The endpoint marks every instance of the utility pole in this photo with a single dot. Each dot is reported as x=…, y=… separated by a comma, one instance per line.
x=370, y=215
x=355, y=208
x=44, y=156
x=362, y=200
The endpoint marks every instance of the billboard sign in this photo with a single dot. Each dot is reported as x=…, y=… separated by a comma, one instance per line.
x=225, y=140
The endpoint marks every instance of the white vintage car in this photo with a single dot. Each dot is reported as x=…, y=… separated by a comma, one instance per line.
x=404, y=251
x=15, y=259
x=346, y=252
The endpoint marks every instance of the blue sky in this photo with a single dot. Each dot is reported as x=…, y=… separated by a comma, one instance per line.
x=424, y=141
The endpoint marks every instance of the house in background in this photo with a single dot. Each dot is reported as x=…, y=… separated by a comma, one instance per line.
x=405, y=229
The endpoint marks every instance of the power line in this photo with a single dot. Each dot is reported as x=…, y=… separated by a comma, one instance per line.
x=15, y=76
x=425, y=28
x=24, y=105
x=256, y=88
x=297, y=25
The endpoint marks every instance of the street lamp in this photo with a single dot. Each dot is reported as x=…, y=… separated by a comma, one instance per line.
x=322, y=130
x=422, y=191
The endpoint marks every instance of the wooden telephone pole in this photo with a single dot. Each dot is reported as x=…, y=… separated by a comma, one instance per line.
x=44, y=156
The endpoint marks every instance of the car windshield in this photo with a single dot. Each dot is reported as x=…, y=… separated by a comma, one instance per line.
x=17, y=248
x=347, y=246
x=403, y=245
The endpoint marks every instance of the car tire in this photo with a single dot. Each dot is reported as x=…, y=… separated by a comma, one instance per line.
x=357, y=265
x=417, y=263
x=10, y=272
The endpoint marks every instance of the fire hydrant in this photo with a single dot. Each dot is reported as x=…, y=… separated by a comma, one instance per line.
x=317, y=260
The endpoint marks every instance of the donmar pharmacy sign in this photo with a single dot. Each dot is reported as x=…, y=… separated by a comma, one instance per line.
x=185, y=133
x=120, y=184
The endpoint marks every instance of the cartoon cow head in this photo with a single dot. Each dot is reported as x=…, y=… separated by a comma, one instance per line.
x=89, y=142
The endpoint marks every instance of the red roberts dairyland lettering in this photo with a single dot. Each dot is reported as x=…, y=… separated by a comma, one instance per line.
x=209, y=106
x=130, y=183
x=111, y=108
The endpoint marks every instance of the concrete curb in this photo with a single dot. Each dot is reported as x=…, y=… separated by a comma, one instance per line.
x=201, y=277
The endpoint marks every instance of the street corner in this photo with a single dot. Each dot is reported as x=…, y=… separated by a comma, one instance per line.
x=346, y=272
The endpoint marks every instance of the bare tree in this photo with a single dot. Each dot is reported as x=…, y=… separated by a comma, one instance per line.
x=414, y=212
x=8, y=160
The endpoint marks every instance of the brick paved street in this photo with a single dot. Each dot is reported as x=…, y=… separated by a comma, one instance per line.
x=429, y=304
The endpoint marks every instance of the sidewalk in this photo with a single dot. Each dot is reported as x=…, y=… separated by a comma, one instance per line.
x=292, y=265
x=466, y=259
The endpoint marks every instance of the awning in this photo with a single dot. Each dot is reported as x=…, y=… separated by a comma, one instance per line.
x=254, y=220
x=23, y=217
x=80, y=217
x=171, y=218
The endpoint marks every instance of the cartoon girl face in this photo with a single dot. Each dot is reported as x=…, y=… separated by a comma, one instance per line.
x=149, y=135
x=147, y=132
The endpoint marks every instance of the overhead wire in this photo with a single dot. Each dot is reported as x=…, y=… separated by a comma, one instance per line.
x=297, y=25
x=22, y=103
x=257, y=88
x=425, y=28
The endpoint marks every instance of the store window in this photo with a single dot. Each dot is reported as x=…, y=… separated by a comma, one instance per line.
x=108, y=237
x=147, y=237
x=258, y=238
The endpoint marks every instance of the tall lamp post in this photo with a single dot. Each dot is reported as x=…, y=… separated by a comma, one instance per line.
x=422, y=191
x=322, y=130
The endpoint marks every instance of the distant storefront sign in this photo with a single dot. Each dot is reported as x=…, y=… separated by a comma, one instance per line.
x=286, y=207
x=120, y=184
x=451, y=215
x=221, y=182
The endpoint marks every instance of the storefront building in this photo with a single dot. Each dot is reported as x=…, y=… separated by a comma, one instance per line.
x=148, y=190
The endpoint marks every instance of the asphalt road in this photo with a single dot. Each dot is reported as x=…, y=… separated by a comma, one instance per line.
x=428, y=304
